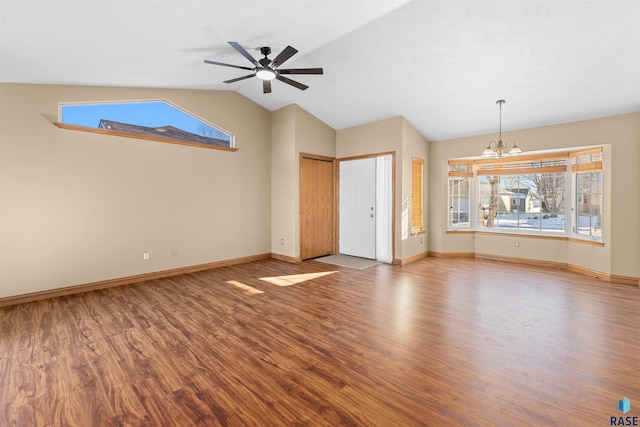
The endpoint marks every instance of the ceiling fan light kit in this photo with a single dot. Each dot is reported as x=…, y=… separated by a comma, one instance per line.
x=265, y=74
x=266, y=69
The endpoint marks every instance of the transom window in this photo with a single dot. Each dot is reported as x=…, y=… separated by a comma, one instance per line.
x=551, y=193
x=154, y=120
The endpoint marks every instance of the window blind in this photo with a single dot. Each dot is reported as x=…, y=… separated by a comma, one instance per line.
x=417, y=178
x=586, y=160
x=521, y=167
x=460, y=168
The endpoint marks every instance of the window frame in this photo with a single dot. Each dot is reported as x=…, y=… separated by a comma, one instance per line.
x=558, y=162
x=588, y=161
x=462, y=173
x=149, y=137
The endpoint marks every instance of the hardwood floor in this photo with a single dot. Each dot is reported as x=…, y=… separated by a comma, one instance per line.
x=440, y=342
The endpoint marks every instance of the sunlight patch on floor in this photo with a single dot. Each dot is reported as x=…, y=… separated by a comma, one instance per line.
x=294, y=279
x=246, y=288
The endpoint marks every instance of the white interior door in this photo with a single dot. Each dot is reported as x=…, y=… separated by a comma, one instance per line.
x=357, y=207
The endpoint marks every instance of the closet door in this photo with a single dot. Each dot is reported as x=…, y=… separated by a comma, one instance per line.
x=317, y=199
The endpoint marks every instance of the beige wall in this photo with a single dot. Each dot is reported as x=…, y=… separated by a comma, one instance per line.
x=619, y=256
x=295, y=131
x=394, y=134
x=377, y=137
x=78, y=207
x=372, y=138
x=414, y=145
x=284, y=184
x=314, y=137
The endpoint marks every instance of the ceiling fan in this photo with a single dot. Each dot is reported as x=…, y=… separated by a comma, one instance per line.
x=266, y=69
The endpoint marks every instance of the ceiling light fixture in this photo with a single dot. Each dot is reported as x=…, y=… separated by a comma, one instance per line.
x=500, y=149
x=265, y=73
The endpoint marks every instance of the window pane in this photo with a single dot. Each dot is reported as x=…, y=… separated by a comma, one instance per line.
x=532, y=202
x=548, y=192
x=490, y=200
x=154, y=119
x=589, y=204
x=459, y=214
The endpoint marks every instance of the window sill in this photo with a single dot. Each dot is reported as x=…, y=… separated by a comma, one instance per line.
x=585, y=241
x=529, y=236
x=541, y=235
x=139, y=136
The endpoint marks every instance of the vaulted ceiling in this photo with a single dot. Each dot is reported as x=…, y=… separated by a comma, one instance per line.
x=442, y=64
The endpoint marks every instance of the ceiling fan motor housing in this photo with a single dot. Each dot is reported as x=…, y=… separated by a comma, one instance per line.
x=265, y=62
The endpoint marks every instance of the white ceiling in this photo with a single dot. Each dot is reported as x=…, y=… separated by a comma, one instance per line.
x=442, y=64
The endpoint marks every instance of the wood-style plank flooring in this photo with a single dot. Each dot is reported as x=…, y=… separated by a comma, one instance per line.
x=440, y=342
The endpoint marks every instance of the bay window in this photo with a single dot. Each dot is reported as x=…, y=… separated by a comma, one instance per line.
x=550, y=193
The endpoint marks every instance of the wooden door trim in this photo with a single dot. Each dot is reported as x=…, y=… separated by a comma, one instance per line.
x=366, y=156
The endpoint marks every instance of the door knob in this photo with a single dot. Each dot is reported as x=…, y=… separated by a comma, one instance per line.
x=371, y=215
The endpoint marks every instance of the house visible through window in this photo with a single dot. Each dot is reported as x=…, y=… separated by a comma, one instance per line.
x=156, y=120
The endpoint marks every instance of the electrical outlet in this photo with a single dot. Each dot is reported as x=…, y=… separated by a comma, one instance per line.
x=145, y=255
x=282, y=241
x=517, y=243
x=174, y=252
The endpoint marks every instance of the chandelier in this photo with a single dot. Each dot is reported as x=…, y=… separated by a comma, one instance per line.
x=500, y=148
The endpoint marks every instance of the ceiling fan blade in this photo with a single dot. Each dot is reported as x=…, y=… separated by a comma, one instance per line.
x=301, y=71
x=287, y=53
x=244, y=53
x=292, y=82
x=226, y=65
x=266, y=86
x=237, y=79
